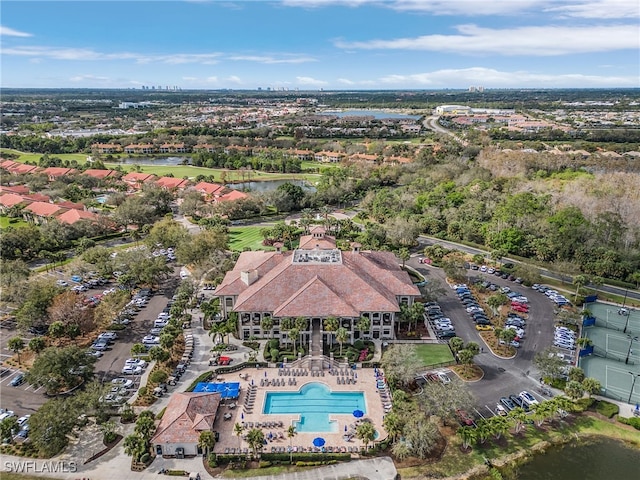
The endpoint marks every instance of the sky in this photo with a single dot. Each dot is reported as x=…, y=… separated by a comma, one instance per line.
x=320, y=44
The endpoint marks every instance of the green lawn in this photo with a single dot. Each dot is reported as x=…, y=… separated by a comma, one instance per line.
x=434, y=354
x=11, y=222
x=242, y=237
x=81, y=158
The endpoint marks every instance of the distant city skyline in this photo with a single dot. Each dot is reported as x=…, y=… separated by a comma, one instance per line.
x=320, y=44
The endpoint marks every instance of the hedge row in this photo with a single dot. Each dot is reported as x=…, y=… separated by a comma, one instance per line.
x=305, y=457
x=240, y=366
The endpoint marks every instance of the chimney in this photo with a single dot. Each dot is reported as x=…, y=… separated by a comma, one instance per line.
x=249, y=276
x=278, y=247
x=355, y=247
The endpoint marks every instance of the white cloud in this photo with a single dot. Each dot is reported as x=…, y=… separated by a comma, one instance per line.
x=346, y=81
x=89, y=77
x=190, y=79
x=599, y=9
x=10, y=32
x=234, y=79
x=211, y=80
x=267, y=59
x=86, y=54
x=571, y=8
x=491, y=78
x=310, y=81
x=533, y=41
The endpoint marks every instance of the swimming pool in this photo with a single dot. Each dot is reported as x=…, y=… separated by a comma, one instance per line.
x=314, y=402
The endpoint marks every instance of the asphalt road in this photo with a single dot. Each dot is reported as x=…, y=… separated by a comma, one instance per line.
x=425, y=241
x=502, y=377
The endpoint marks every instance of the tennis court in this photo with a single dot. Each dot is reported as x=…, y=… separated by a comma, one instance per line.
x=610, y=316
x=615, y=345
x=616, y=377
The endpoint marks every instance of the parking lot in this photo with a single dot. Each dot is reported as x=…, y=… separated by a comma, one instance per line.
x=25, y=399
x=502, y=377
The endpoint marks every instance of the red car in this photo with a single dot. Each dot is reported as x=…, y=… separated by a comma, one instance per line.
x=464, y=417
x=520, y=308
x=224, y=360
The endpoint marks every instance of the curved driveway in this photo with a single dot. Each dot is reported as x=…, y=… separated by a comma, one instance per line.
x=502, y=376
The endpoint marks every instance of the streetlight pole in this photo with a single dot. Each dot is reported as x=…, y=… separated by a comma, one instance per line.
x=631, y=340
x=633, y=384
x=626, y=323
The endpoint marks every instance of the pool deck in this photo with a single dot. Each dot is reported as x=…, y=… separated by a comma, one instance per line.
x=277, y=424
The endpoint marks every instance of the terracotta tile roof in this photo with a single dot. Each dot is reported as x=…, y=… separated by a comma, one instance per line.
x=209, y=188
x=172, y=182
x=135, y=177
x=72, y=216
x=97, y=173
x=8, y=164
x=38, y=197
x=22, y=168
x=56, y=172
x=308, y=242
x=43, y=209
x=186, y=415
x=17, y=189
x=232, y=195
x=73, y=205
x=11, y=199
x=362, y=282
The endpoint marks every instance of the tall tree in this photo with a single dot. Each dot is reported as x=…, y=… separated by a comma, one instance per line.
x=331, y=324
x=291, y=432
x=16, y=345
x=342, y=335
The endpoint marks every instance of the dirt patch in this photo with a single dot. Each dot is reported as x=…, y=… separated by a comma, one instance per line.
x=108, y=447
x=468, y=373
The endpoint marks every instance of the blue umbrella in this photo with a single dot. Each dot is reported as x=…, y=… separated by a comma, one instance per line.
x=345, y=428
x=242, y=416
x=318, y=442
x=358, y=413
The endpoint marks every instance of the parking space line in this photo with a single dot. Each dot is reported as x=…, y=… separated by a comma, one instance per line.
x=38, y=389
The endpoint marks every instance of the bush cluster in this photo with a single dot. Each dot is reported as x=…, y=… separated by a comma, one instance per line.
x=633, y=421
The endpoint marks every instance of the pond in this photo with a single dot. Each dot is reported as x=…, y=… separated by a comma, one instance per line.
x=596, y=459
x=268, y=185
x=166, y=161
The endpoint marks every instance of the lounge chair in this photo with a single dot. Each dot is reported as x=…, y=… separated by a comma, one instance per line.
x=226, y=450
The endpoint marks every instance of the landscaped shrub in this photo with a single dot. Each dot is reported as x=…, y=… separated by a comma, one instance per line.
x=211, y=459
x=145, y=458
x=582, y=404
x=607, y=409
x=264, y=464
x=275, y=354
x=633, y=421
x=273, y=343
x=158, y=376
x=161, y=413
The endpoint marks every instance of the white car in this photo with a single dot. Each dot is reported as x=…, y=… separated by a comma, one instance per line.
x=519, y=331
x=528, y=398
x=108, y=336
x=131, y=370
x=136, y=362
x=151, y=340
x=22, y=421
x=443, y=377
x=122, y=382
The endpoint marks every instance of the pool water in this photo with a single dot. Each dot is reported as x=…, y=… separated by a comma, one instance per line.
x=314, y=402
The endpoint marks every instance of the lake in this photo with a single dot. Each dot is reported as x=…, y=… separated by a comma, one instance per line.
x=166, y=161
x=268, y=185
x=598, y=459
x=377, y=114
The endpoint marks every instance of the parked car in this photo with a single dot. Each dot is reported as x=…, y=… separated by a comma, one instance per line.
x=483, y=327
x=17, y=380
x=464, y=417
x=443, y=377
x=519, y=402
x=151, y=340
x=136, y=362
x=446, y=334
x=528, y=398
x=131, y=370
x=22, y=421
x=122, y=382
x=507, y=403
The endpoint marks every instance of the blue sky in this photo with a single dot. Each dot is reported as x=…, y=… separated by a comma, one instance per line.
x=321, y=44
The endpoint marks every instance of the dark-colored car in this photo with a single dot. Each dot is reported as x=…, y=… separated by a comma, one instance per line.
x=519, y=402
x=39, y=329
x=446, y=334
x=507, y=403
x=17, y=380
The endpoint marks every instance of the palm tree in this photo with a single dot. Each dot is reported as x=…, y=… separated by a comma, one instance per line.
x=217, y=328
x=404, y=255
x=579, y=281
x=518, y=416
x=364, y=324
x=16, y=345
x=293, y=336
x=499, y=426
x=255, y=438
x=468, y=435
x=456, y=344
x=342, y=335
x=291, y=432
x=206, y=441
x=37, y=345
x=366, y=432
x=135, y=446
x=591, y=385
x=540, y=412
x=466, y=357
x=267, y=325
x=237, y=430
x=331, y=324
x=393, y=425
x=483, y=430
